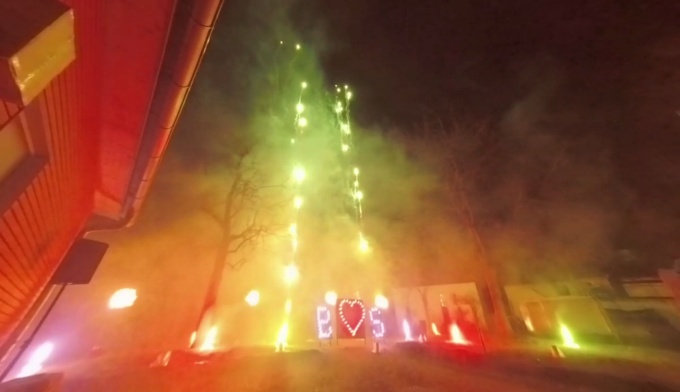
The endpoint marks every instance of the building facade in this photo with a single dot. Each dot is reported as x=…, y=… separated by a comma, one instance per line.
x=90, y=92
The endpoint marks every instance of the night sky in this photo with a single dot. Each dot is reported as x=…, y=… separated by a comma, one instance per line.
x=613, y=67
x=608, y=70
x=617, y=62
x=406, y=56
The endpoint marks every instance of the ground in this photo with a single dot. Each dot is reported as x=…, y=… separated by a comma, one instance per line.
x=404, y=370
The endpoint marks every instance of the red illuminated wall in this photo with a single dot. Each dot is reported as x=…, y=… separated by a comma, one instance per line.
x=39, y=226
x=93, y=117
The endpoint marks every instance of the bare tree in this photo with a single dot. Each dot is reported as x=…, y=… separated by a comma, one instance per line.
x=466, y=149
x=473, y=159
x=238, y=217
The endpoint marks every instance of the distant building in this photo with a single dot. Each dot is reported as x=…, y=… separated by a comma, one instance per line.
x=633, y=310
x=90, y=92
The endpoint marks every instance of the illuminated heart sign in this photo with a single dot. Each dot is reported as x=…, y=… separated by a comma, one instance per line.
x=351, y=314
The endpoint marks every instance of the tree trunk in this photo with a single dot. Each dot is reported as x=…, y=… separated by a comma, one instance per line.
x=206, y=319
x=500, y=325
x=426, y=306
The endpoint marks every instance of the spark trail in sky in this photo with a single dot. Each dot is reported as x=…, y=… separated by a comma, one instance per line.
x=298, y=176
x=299, y=173
x=341, y=107
x=304, y=126
x=311, y=119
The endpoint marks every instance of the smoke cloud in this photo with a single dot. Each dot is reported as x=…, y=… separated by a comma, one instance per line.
x=534, y=190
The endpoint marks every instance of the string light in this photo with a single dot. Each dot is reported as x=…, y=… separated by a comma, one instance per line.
x=323, y=322
x=377, y=325
x=297, y=202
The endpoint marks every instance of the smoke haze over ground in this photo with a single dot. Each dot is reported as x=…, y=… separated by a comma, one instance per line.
x=555, y=142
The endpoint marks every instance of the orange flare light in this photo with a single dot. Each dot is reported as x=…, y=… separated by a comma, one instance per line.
x=331, y=297
x=210, y=340
x=123, y=298
x=407, y=331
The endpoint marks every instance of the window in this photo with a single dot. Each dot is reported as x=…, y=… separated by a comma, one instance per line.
x=22, y=152
x=13, y=147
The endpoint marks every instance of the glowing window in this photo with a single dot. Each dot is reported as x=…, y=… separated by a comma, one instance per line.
x=23, y=152
x=13, y=147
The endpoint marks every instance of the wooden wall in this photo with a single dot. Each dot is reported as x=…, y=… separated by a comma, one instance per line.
x=40, y=225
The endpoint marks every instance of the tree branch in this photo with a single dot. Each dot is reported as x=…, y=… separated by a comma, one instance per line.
x=211, y=213
x=246, y=238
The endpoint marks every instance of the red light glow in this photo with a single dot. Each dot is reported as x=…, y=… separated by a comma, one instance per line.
x=457, y=336
x=407, y=331
x=36, y=361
